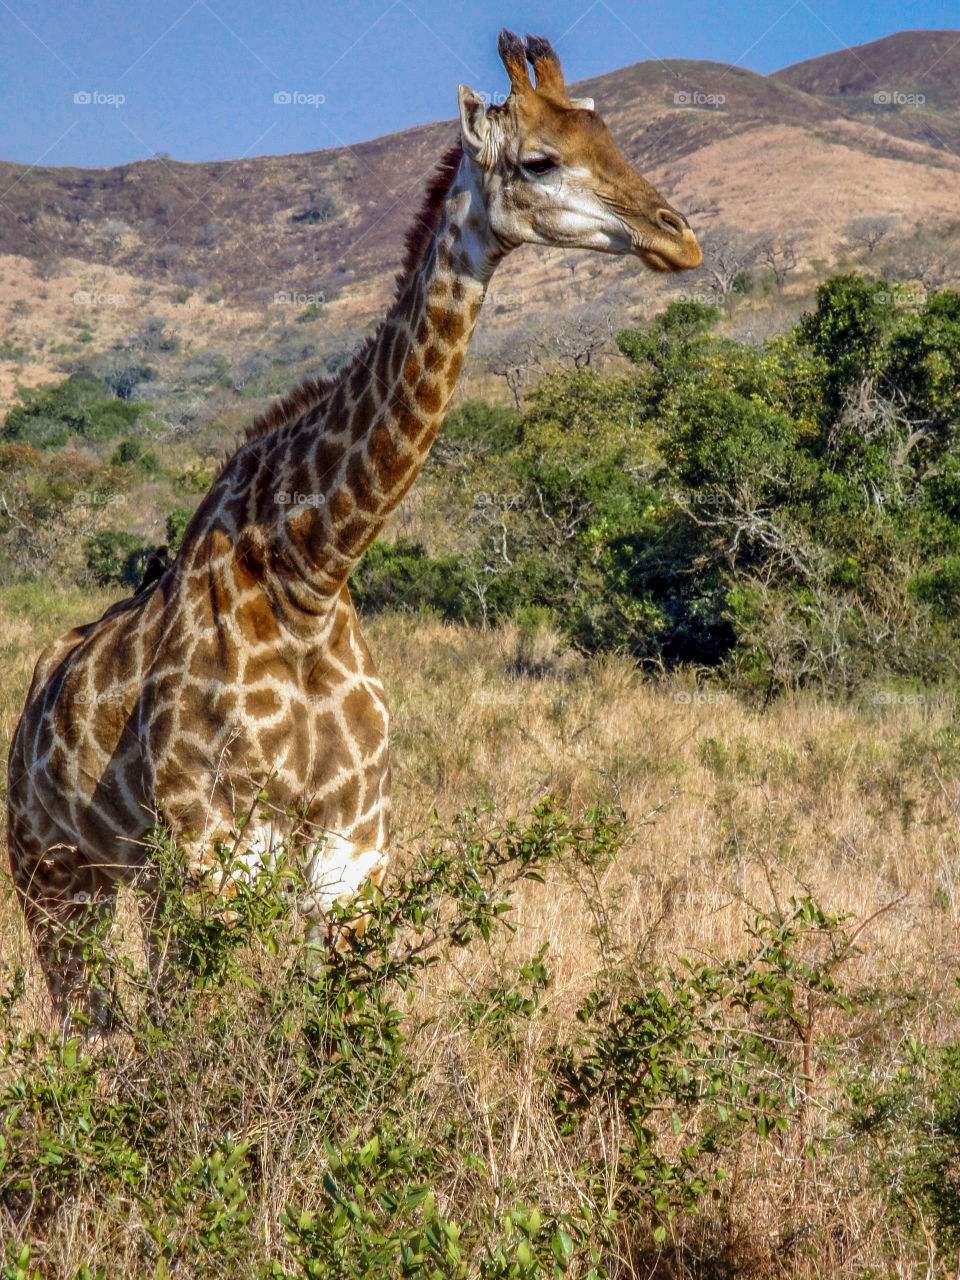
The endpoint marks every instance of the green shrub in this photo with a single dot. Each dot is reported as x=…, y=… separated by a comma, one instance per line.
x=755, y=510
x=176, y=524
x=134, y=453
x=401, y=575
x=116, y=557
x=50, y=416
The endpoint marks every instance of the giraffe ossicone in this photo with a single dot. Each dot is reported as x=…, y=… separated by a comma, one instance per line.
x=241, y=664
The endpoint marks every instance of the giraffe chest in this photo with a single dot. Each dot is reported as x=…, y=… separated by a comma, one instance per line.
x=314, y=740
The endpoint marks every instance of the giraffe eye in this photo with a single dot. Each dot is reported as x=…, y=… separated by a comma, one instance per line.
x=538, y=165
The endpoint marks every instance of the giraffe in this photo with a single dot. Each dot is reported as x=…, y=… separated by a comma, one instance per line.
x=242, y=666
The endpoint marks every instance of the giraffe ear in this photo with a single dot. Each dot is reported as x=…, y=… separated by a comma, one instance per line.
x=582, y=104
x=474, y=125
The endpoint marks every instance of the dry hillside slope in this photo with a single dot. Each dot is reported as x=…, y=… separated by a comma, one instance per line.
x=796, y=155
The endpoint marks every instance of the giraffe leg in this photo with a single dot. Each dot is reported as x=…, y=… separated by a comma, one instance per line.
x=158, y=940
x=69, y=906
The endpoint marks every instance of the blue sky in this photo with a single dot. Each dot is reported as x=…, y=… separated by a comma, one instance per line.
x=198, y=78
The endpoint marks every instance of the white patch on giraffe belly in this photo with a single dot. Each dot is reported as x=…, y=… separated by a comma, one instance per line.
x=336, y=871
x=333, y=869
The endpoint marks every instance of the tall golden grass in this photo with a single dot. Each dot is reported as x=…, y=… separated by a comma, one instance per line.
x=856, y=803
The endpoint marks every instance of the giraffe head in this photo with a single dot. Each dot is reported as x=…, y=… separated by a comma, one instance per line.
x=550, y=173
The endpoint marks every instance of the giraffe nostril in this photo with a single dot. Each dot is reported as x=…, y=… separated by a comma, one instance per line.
x=667, y=220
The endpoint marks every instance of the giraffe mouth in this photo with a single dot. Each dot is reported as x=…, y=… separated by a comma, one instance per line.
x=681, y=254
x=650, y=258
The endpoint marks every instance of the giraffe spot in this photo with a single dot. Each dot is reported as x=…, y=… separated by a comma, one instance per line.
x=363, y=414
x=447, y=324
x=214, y=657
x=247, y=562
x=383, y=453
x=297, y=752
x=327, y=456
x=303, y=529
x=357, y=379
x=453, y=371
x=366, y=719
x=267, y=668
x=160, y=731
x=332, y=753
x=220, y=595
x=65, y=720
x=106, y=726
x=261, y=490
x=376, y=783
x=338, y=405
x=412, y=369
x=255, y=618
x=345, y=654
x=340, y=807
x=407, y=421
x=340, y=504
x=429, y=397
x=435, y=357
x=195, y=710
x=356, y=535
x=456, y=289
x=262, y=704
x=358, y=481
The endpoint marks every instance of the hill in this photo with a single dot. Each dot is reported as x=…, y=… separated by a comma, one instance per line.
x=219, y=248
x=907, y=85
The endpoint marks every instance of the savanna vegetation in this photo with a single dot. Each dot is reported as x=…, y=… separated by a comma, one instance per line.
x=664, y=979
x=784, y=516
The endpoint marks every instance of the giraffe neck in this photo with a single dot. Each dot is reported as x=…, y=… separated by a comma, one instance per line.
x=346, y=464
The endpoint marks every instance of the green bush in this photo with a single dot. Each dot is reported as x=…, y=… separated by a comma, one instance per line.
x=172, y=1137
x=116, y=557
x=176, y=524
x=401, y=575
x=50, y=416
x=765, y=511
x=134, y=453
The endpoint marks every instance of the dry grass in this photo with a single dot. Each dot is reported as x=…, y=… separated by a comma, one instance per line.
x=859, y=804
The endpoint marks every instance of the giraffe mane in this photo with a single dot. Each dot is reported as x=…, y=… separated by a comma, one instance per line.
x=302, y=398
